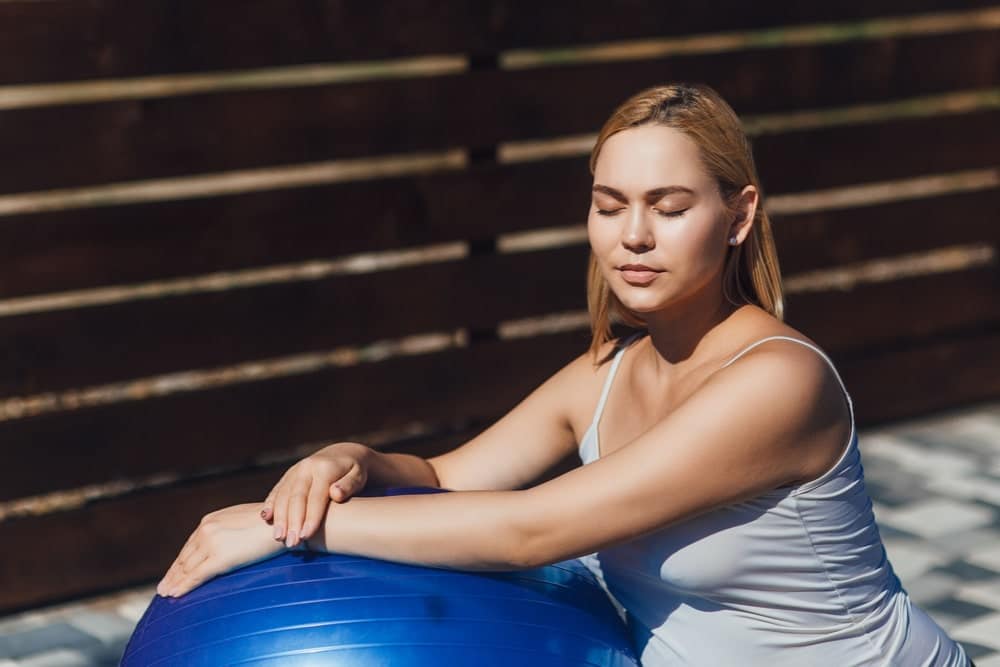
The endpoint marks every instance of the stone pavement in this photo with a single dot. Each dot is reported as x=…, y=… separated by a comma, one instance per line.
x=935, y=485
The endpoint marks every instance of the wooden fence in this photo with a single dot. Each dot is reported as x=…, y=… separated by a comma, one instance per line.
x=183, y=192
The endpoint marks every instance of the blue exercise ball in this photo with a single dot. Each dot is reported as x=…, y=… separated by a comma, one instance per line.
x=303, y=608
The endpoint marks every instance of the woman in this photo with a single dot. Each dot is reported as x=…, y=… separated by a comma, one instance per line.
x=721, y=500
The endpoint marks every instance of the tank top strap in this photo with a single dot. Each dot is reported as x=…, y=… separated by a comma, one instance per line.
x=611, y=375
x=836, y=373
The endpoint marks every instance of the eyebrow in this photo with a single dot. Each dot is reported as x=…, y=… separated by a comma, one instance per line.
x=651, y=195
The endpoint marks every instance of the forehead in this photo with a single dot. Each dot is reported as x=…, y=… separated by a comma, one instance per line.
x=642, y=158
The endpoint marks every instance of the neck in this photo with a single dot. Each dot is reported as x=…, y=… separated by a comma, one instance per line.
x=681, y=332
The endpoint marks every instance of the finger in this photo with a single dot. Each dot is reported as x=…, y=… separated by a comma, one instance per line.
x=190, y=575
x=297, y=510
x=267, y=511
x=351, y=483
x=164, y=583
x=183, y=574
x=280, y=507
x=189, y=546
x=315, y=509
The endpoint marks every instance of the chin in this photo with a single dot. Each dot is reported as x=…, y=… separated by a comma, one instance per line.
x=649, y=305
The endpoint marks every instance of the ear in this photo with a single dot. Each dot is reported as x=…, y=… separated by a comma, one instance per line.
x=746, y=209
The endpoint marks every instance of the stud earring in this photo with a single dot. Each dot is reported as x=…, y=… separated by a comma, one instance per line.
x=732, y=240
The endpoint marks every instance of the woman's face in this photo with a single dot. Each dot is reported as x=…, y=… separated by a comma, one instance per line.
x=653, y=204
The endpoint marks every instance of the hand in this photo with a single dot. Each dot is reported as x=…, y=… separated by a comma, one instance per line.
x=224, y=540
x=298, y=502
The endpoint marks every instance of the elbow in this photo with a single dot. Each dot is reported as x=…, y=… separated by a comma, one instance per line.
x=529, y=543
x=521, y=557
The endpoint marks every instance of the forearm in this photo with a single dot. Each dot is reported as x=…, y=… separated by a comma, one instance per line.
x=469, y=530
x=391, y=469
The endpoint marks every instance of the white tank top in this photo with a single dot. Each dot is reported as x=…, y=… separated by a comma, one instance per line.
x=797, y=576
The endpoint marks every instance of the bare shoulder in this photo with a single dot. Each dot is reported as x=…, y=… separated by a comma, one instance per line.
x=797, y=375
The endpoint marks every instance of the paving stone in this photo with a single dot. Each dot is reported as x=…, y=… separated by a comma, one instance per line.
x=976, y=651
x=107, y=628
x=962, y=544
x=968, y=487
x=987, y=557
x=961, y=609
x=967, y=572
x=896, y=489
x=931, y=587
x=35, y=640
x=961, y=438
x=133, y=608
x=981, y=592
x=917, y=457
x=992, y=660
x=936, y=517
x=984, y=631
x=911, y=558
x=887, y=532
x=20, y=623
x=59, y=657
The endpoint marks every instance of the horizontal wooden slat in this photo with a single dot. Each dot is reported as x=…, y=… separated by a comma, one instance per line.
x=903, y=382
x=232, y=425
x=68, y=348
x=86, y=144
x=830, y=238
x=114, y=38
x=881, y=314
x=75, y=249
x=236, y=423
x=854, y=154
x=132, y=540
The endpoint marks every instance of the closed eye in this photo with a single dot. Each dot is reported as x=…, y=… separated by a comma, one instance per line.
x=666, y=214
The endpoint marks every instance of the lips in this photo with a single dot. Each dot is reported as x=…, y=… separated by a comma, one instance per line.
x=638, y=274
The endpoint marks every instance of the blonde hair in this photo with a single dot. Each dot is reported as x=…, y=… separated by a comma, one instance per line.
x=751, y=273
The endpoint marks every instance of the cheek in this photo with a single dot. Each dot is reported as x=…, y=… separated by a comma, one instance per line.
x=602, y=237
x=698, y=241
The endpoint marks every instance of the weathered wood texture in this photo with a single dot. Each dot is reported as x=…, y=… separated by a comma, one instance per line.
x=121, y=38
x=172, y=136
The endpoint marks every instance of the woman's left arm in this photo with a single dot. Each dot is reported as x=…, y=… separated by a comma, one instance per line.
x=739, y=435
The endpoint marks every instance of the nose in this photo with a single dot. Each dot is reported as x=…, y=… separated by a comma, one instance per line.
x=637, y=236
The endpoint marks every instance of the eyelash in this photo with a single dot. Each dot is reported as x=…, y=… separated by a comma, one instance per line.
x=672, y=214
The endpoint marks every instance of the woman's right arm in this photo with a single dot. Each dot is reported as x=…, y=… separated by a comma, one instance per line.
x=526, y=442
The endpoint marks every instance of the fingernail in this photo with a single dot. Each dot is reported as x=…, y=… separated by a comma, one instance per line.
x=277, y=532
x=263, y=513
x=290, y=542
